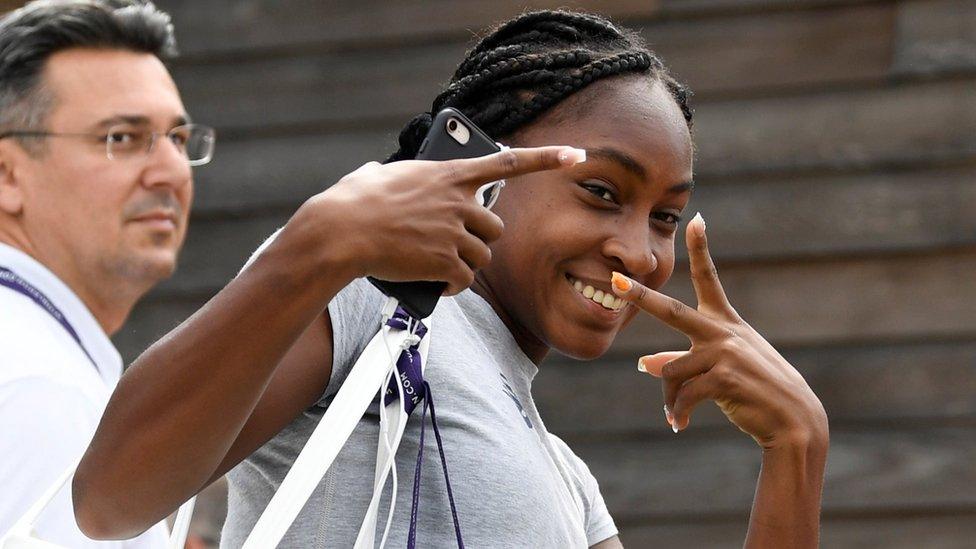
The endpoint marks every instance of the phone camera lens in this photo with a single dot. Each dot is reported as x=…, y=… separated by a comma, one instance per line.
x=452, y=125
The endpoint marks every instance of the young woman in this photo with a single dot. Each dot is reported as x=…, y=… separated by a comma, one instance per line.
x=239, y=386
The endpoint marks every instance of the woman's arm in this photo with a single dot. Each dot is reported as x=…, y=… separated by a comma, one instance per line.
x=181, y=407
x=758, y=390
x=227, y=379
x=786, y=511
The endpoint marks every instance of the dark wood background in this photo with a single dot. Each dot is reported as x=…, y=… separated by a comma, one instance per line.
x=837, y=171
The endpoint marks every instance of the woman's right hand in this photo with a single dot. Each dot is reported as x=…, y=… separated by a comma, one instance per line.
x=419, y=220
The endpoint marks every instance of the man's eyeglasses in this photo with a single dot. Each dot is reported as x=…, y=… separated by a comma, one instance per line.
x=193, y=141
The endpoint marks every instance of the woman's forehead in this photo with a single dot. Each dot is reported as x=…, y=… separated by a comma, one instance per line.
x=635, y=116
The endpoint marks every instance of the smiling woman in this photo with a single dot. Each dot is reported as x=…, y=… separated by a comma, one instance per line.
x=245, y=388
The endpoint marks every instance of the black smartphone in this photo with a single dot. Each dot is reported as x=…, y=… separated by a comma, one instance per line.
x=451, y=136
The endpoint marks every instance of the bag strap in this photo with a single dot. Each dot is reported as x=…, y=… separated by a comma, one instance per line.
x=340, y=419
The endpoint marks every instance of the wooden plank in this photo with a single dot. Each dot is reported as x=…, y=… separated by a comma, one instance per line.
x=713, y=8
x=881, y=384
x=837, y=301
x=317, y=90
x=839, y=130
x=786, y=50
x=910, y=297
x=891, y=532
x=231, y=26
x=830, y=215
x=935, y=37
x=223, y=26
x=279, y=173
x=10, y=5
x=906, y=471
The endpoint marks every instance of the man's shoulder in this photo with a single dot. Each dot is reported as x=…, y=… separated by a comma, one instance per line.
x=33, y=346
x=20, y=317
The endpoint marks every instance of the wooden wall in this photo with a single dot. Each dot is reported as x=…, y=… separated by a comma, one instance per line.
x=837, y=170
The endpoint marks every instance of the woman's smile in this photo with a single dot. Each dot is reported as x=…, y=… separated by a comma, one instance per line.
x=610, y=308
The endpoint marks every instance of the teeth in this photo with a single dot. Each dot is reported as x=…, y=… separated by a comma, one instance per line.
x=609, y=301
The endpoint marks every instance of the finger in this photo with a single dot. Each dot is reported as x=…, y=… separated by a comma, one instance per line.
x=704, y=275
x=689, y=396
x=652, y=364
x=511, y=163
x=667, y=309
x=474, y=252
x=482, y=223
x=459, y=277
x=677, y=372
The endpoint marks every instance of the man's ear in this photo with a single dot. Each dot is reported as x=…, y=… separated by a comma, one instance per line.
x=11, y=191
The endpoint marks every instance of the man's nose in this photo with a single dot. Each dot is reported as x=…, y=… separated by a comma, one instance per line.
x=168, y=165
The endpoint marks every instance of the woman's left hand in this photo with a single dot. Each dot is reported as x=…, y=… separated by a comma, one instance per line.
x=729, y=362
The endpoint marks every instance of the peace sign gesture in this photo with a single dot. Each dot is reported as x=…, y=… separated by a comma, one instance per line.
x=728, y=362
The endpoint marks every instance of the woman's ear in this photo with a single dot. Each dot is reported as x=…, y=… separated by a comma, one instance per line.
x=11, y=191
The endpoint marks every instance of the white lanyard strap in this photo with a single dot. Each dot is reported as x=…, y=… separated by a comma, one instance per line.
x=365, y=381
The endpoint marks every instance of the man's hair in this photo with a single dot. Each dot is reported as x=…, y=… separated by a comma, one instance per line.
x=30, y=35
x=526, y=66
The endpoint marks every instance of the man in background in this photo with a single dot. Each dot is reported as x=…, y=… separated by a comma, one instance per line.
x=96, y=152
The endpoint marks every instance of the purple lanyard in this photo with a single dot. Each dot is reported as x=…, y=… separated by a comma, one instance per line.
x=16, y=283
x=415, y=389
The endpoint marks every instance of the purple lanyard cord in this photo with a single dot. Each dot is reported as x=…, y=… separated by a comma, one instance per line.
x=415, y=389
x=18, y=284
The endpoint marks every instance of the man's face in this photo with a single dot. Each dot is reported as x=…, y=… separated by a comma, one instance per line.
x=101, y=220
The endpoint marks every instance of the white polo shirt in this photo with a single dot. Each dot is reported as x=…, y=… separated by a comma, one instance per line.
x=51, y=399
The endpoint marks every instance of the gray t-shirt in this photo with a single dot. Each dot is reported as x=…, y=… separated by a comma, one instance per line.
x=515, y=484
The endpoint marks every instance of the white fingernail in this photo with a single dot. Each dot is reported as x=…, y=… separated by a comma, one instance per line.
x=572, y=156
x=640, y=365
x=674, y=428
x=701, y=219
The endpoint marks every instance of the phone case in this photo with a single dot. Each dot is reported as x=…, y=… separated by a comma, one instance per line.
x=419, y=298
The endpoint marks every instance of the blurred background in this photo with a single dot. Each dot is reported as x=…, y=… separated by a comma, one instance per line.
x=836, y=168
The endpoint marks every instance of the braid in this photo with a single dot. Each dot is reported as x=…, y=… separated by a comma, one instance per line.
x=531, y=63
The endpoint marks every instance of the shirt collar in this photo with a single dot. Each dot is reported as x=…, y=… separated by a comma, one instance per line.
x=95, y=340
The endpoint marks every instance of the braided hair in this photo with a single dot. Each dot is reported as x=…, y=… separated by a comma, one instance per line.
x=529, y=64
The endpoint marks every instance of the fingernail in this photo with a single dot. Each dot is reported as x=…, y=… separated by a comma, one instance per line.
x=620, y=282
x=640, y=365
x=674, y=427
x=571, y=156
x=700, y=229
x=668, y=416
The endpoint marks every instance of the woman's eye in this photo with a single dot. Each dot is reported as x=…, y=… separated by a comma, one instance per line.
x=668, y=218
x=600, y=192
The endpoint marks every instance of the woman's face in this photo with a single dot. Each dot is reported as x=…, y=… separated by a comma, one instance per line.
x=618, y=211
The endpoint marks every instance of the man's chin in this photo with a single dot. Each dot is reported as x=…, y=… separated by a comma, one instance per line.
x=151, y=266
